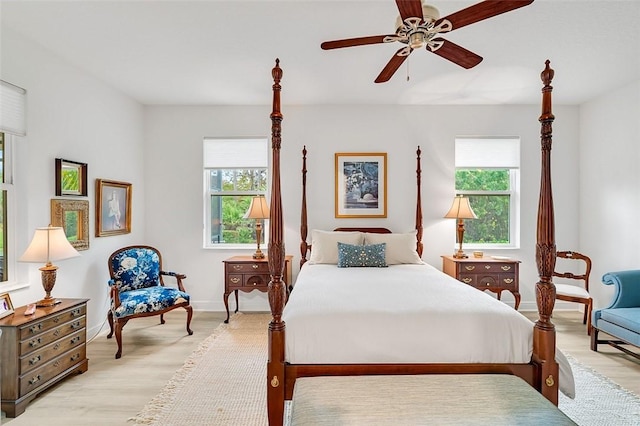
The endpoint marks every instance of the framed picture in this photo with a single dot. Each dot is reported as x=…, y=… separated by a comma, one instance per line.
x=113, y=208
x=73, y=217
x=361, y=185
x=71, y=178
x=6, y=307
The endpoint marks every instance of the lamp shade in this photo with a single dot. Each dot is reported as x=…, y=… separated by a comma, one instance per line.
x=460, y=209
x=48, y=244
x=258, y=208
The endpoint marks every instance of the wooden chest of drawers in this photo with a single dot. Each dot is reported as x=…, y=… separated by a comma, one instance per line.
x=496, y=275
x=246, y=274
x=41, y=349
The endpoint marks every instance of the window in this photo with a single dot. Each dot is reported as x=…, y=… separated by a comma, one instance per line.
x=488, y=173
x=7, y=271
x=235, y=170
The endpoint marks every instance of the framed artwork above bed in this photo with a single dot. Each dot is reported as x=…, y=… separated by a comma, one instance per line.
x=361, y=185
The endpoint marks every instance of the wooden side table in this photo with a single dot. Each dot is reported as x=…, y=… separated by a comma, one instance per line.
x=41, y=349
x=485, y=273
x=247, y=274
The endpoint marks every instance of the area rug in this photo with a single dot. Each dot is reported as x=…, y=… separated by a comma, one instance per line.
x=223, y=383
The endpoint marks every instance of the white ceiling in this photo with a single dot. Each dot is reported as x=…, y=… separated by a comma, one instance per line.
x=214, y=52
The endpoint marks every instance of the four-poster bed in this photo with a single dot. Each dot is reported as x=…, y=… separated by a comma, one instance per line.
x=535, y=363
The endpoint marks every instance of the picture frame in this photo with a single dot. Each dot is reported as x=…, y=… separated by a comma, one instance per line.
x=73, y=217
x=113, y=207
x=6, y=307
x=361, y=185
x=71, y=178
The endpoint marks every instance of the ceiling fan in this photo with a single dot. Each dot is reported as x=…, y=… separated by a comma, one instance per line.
x=420, y=25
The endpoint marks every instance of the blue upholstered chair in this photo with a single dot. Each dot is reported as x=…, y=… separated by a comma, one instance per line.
x=621, y=319
x=137, y=289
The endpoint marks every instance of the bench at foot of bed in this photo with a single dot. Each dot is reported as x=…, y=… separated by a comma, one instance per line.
x=492, y=399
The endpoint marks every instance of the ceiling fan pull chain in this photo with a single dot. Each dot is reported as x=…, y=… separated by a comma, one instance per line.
x=408, y=69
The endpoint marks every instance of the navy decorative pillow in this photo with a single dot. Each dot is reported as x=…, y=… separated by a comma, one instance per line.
x=372, y=255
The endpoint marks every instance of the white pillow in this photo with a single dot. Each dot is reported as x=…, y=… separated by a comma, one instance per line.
x=401, y=248
x=324, y=244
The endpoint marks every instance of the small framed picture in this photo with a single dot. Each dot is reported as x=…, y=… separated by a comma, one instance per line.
x=113, y=207
x=6, y=307
x=361, y=185
x=71, y=178
x=73, y=217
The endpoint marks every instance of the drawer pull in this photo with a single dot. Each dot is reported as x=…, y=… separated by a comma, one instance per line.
x=235, y=280
x=35, y=328
x=237, y=267
x=76, y=324
x=508, y=280
x=506, y=268
x=470, y=267
x=34, y=380
x=75, y=340
x=467, y=280
x=254, y=266
x=487, y=267
x=255, y=284
x=56, y=333
x=75, y=357
x=56, y=320
x=76, y=312
x=35, y=342
x=35, y=360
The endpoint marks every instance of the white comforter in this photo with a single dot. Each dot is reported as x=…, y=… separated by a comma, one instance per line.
x=402, y=314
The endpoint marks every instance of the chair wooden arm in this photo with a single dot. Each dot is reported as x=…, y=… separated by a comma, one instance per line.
x=115, y=293
x=177, y=276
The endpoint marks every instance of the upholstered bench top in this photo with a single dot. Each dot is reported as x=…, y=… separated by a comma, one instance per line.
x=469, y=399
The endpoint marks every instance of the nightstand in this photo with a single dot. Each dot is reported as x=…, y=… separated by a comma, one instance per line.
x=246, y=274
x=485, y=273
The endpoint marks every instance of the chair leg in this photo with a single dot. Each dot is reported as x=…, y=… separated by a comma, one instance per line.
x=161, y=318
x=189, y=310
x=119, y=325
x=587, y=312
x=110, y=320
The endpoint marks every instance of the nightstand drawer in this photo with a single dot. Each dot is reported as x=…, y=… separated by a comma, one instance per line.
x=479, y=268
x=257, y=281
x=36, y=342
x=53, y=321
x=245, y=268
x=40, y=357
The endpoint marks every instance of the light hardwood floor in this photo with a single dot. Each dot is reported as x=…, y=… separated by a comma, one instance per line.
x=113, y=390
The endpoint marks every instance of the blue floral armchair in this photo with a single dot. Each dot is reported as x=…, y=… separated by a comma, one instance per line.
x=137, y=289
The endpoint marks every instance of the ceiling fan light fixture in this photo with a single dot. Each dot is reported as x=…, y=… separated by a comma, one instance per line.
x=416, y=40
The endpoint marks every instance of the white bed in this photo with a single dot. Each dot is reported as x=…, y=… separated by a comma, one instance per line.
x=364, y=315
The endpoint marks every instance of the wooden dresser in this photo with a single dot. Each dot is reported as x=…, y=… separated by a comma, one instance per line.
x=247, y=274
x=485, y=273
x=41, y=349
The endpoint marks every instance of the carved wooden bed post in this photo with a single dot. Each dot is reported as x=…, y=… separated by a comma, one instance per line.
x=544, y=333
x=304, y=247
x=277, y=290
x=418, y=204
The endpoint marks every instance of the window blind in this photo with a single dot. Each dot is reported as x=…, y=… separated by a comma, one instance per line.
x=502, y=152
x=235, y=153
x=12, y=109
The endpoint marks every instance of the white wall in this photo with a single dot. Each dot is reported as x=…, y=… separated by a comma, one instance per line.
x=71, y=115
x=609, y=179
x=174, y=195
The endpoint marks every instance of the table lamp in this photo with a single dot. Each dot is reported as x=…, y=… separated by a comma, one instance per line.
x=48, y=244
x=258, y=210
x=460, y=210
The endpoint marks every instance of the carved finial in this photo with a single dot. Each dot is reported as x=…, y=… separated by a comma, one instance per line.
x=277, y=71
x=418, y=152
x=547, y=74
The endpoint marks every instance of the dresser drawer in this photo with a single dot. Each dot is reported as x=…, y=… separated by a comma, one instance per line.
x=39, y=357
x=479, y=268
x=36, y=378
x=257, y=280
x=235, y=280
x=36, y=342
x=244, y=268
x=52, y=321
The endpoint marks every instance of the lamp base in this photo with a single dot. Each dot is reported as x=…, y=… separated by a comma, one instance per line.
x=47, y=302
x=460, y=255
x=258, y=255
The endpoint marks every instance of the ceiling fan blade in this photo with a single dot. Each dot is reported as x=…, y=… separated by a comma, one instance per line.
x=456, y=54
x=358, y=41
x=410, y=9
x=481, y=11
x=393, y=65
